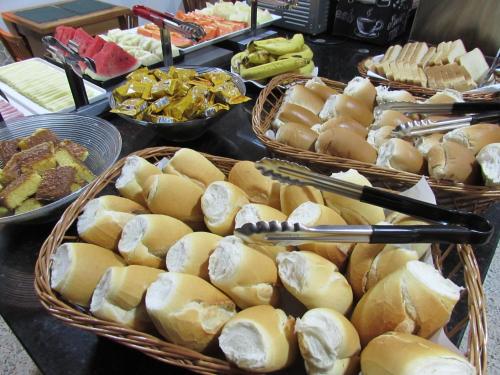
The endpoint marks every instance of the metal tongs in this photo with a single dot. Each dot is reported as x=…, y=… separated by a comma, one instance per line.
x=450, y=226
x=438, y=109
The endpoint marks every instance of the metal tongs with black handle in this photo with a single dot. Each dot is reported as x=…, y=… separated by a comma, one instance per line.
x=449, y=226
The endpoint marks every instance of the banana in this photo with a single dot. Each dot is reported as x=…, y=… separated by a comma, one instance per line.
x=279, y=47
x=305, y=53
x=258, y=57
x=273, y=68
x=237, y=60
x=307, y=70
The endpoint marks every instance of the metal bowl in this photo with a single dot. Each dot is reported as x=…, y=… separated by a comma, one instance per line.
x=191, y=129
x=102, y=140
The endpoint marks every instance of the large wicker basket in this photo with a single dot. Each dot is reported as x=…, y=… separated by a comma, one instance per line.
x=467, y=197
x=418, y=90
x=456, y=262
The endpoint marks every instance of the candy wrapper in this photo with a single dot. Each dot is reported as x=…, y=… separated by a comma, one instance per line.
x=131, y=107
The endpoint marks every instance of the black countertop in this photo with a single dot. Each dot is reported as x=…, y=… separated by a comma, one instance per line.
x=60, y=349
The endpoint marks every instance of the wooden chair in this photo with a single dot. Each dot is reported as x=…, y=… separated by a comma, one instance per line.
x=15, y=45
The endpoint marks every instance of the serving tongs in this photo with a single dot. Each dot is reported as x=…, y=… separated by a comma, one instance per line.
x=168, y=22
x=438, y=109
x=418, y=128
x=449, y=225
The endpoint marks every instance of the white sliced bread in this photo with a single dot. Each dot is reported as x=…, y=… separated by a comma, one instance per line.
x=474, y=63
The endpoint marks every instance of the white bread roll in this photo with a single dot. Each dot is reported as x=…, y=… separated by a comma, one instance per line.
x=220, y=203
x=103, y=219
x=252, y=213
x=193, y=165
x=424, y=144
x=446, y=96
x=312, y=214
x=318, y=87
x=314, y=281
x=259, y=188
x=292, y=196
x=119, y=296
x=389, y=118
x=346, y=123
x=299, y=95
x=145, y=239
x=452, y=161
x=187, y=310
x=363, y=90
x=377, y=137
x=297, y=135
x=401, y=155
x=347, y=144
x=353, y=211
x=414, y=299
x=489, y=160
x=385, y=95
x=190, y=254
x=404, y=354
x=360, y=262
x=244, y=274
x=344, y=105
x=289, y=112
x=135, y=172
x=328, y=342
x=474, y=137
x=260, y=339
x=175, y=196
x=77, y=268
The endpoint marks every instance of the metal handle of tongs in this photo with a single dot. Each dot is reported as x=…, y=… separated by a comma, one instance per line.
x=455, y=226
x=438, y=109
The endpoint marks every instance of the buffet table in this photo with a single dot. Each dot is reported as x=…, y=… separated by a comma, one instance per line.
x=60, y=349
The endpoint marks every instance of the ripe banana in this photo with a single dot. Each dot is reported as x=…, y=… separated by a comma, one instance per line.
x=305, y=53
x=273, y=68
x=258, y=57
x=237, y=60
x=281, y=46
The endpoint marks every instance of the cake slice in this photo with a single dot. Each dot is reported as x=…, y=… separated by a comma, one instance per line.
x=19, y=190
x=39, y=136
x=27, y=206
x=56, y=183
x=474, y=63
x=7, y=150
x=37, y=159
x=65, y=158
x=75, y=149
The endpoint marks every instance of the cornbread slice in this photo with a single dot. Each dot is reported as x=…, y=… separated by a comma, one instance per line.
x=56, y=183
x=74, y=187
x=39, y=136
x=7, y=150
x=4, y=211
x=75, y=149
x=27, y=206
x=37, y=159
x=65, y=158
x=20, y=189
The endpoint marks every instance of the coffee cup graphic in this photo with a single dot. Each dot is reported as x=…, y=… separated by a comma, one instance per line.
x=368, y=27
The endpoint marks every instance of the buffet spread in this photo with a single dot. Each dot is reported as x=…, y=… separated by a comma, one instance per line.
x=159, y=249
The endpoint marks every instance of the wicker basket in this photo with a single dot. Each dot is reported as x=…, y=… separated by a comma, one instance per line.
x=418, y=90
x=467, y=197
x=456, y=262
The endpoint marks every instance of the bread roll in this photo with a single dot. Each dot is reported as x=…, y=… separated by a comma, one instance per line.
x=187, y=310
x=119, y=296
x=252, y=213
x=299, y=95
x=295, y=113
x=318, y=87
x=103, y=219
x=446, y=96
x=452, y=161
x=363, y=90
x=190, y=254
x=489, y=160
x=404, y=354
x=474, y=137
x=314, y=281
x=192, y=164
x=385, y=95
x=175, y=196
x=244, y=274
x=146, y=239
x=77, y=268
x=344, y=105
x=360, y=262
x=297, y=135
x=260, y=339
x=424, y=144
x=389, y=118
x=328, y=342
x=259, y=188
x=135, y=172
x=415, y=299
x=292, y=196
x=377, y=137
x=347, y=144
x=312, y=214
x=401, y=155
x=353, y=211
x=346, y=123
x=220, y=203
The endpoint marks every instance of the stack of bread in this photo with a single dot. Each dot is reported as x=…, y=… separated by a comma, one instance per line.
x=162, y=258
x=446, y=66
x=314, y=117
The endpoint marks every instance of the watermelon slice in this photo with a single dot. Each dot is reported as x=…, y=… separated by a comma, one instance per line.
x=83, y=39
x=64, y=33
x=94, y=47
x=112, y=61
